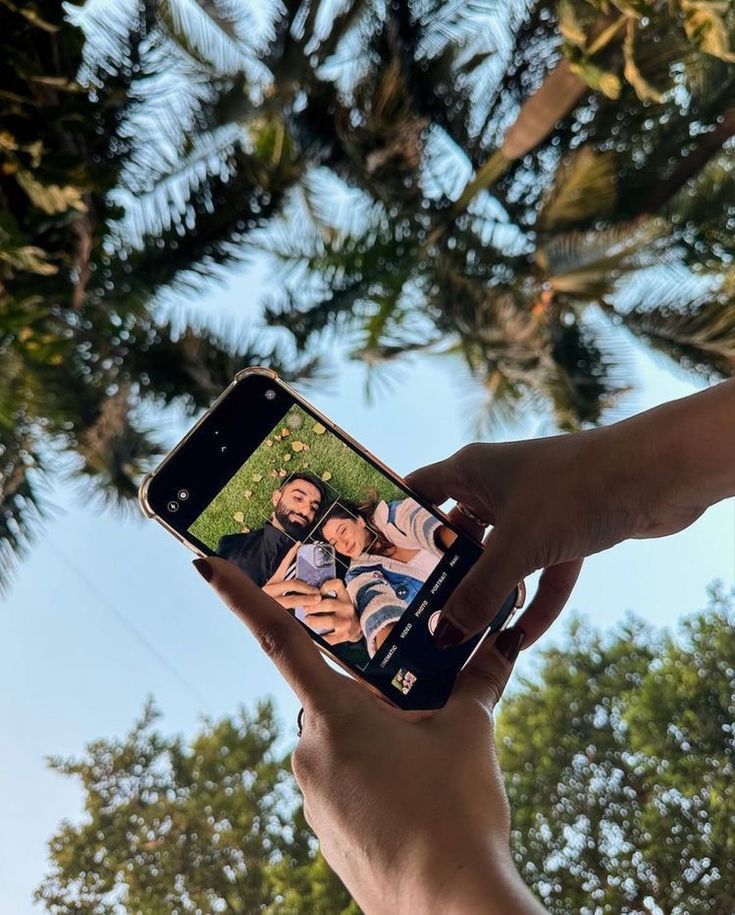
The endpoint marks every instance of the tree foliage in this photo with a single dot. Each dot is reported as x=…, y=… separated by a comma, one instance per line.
x=208, y=825
x=492, y=183
x=485, y=181
x=619, y=762
x=618, y=756
x=83, y=349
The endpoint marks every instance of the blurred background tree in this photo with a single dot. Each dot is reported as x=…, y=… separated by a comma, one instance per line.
x=619, y=756
x=620, y=760
x=495, y=183
x=209, y=825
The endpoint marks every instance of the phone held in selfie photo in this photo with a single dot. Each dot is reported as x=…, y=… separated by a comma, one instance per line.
x=337, y=538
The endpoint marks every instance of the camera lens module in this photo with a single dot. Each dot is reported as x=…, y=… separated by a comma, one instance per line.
x=270, y=394
x=183, y=495
x=173, y=505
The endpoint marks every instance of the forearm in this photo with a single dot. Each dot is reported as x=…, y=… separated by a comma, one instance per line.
x=681, y=455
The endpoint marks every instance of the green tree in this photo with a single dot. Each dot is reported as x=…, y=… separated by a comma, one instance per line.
x=618, y=755
x=208, y=825
x=619, y=759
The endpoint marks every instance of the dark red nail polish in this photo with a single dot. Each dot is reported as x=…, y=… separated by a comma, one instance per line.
x=447, y=635
x=509, y=642
x=204, y=568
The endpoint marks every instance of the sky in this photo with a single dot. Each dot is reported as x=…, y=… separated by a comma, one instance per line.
x=107, y=611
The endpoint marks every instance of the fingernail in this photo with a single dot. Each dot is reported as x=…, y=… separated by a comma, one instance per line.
x=447, y=634
x=509, y=642
x=204, y=568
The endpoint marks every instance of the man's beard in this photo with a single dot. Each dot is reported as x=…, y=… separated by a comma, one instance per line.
x=292, y=527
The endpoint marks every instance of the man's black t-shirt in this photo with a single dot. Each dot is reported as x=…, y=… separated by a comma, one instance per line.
x=258, y=553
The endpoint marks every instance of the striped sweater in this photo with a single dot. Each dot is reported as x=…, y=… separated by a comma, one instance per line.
x=382, y=588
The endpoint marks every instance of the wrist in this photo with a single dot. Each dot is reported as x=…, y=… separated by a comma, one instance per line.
x=459, y=878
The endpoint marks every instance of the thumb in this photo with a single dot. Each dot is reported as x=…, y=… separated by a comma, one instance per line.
x=487, y=673
x=484, y=589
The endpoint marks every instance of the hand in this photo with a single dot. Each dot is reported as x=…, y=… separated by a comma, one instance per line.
x=409, y=808
x=335, y=614
x=294, y=592
x=554, y=501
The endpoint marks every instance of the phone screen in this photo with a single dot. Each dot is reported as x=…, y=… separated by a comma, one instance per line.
x=340, y=544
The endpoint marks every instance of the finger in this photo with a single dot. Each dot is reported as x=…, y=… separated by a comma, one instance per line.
x=325, y=617
x=555, y=586
x=471, y=528
x=286, y=562
x=488, y=672
x=483, y=590
x=293, y=601
x=296, y=586
x=282, y=638
x=446, y=480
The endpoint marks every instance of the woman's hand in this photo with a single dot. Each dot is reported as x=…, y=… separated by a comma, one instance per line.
x=409, y=808
x=554, y=501
x=335, y=613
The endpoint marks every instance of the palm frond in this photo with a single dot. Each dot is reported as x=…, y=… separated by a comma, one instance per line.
x=586, y=265
x=193, y=366
x=213, y=32
x=116, y=453
x=694, y=329
x=21, y=506
x=583, y=189
x=585, y=381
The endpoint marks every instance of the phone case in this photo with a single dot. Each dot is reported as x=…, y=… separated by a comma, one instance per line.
x=315, y=563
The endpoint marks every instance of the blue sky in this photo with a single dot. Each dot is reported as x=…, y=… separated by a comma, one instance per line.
x=107, y=611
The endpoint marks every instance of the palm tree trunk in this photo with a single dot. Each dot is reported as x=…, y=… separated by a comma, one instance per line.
x=710, y=144
x=551, y=102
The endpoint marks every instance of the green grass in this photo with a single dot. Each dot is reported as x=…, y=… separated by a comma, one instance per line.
x=245, y=502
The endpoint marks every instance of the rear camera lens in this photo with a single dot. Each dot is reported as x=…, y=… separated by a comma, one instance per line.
x=173, y=505
x=270, y=394
x=183, y=495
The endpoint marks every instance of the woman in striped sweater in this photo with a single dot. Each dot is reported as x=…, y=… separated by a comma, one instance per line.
x=393, y=547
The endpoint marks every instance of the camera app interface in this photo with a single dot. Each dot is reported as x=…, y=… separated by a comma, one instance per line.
x=334, y=541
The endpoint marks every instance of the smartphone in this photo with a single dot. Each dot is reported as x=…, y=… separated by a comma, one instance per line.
x=263, y=470
x=315, y=564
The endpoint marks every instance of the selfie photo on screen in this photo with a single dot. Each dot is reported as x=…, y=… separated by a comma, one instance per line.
x=326, y=535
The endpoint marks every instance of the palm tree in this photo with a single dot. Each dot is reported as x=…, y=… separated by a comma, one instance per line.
x=76, y=368
x=429, y=176
x=575, y=122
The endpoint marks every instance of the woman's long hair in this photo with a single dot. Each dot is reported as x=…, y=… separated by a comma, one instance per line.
x=349, y=510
